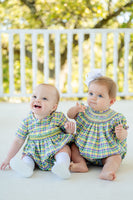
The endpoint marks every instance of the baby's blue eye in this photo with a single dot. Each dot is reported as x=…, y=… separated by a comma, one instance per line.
x=34, y=96
x=44, y=98
x=100, y=95
x=90, y=93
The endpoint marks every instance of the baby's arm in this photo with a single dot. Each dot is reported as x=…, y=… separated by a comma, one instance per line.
x=72, y=112
x=121, y=133
x=70, y=127
x=15, y=147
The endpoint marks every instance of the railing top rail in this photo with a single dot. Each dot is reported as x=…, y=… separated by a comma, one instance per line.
x=73, y=31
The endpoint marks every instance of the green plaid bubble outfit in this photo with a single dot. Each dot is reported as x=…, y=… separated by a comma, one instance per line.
x=44, y=138
x=95, y=134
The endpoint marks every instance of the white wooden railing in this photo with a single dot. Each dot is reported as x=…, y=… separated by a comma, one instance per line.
x=128, y=34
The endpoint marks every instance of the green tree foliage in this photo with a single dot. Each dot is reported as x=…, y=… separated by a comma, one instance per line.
x=64, y=14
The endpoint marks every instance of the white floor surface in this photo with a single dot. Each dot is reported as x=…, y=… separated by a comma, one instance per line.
x=45, y=185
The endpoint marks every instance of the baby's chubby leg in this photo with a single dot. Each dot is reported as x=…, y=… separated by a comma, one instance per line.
x=78, y=163
x=62, y=163
x=111, y=166
x=24, y=166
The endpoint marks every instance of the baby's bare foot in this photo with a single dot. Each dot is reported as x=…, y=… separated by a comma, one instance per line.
x=107, y=176
x=78, y=167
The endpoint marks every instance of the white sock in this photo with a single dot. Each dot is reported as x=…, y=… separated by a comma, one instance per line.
x=63, y=157
x=61, y=165
x=29, y=161
x=23, y=167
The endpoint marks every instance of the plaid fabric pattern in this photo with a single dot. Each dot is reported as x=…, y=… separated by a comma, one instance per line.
x=95, y=134
x=44, y=138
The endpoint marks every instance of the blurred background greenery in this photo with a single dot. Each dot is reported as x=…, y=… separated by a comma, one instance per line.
x=64, y=14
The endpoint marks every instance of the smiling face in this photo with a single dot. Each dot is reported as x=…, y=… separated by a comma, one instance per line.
x=44, y=100
x=98, y=97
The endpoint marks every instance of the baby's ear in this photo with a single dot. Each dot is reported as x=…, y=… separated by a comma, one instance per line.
x=112, y=101
x=55, y=107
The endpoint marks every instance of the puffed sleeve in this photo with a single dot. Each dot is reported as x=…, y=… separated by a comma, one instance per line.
x=22, y=130
x=121, y=119
x=60, y=119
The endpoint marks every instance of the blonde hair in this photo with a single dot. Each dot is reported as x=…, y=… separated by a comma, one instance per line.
x=57, y=95
x=109, y=83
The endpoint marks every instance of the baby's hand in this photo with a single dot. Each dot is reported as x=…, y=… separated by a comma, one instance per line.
x=121, y=133
x=4, y=165
x=80, y=107
x=70, y=127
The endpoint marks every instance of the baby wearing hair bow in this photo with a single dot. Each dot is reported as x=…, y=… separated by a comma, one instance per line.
x=95, y=73
x=101, y=133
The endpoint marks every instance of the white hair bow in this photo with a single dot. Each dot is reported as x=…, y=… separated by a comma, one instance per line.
x=95, y=73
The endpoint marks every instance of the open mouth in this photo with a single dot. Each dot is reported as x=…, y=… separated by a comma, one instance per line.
x=37, y=106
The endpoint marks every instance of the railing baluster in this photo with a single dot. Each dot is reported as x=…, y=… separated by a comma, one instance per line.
x=22, y=63
x=81, y=38
x=34, y=59
x=46, y=56
x=69, y=61
x=1, y=71
x=11, y=65
x=126, y=39
x=57, y=60
x=115, y=56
